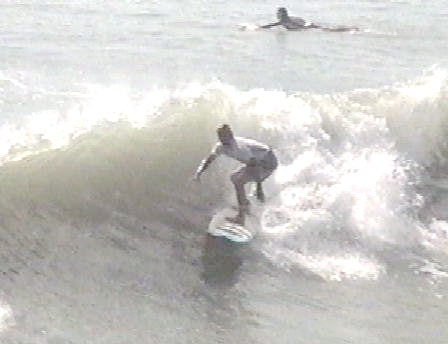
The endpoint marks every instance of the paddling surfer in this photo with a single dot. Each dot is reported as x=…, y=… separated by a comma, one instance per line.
x=297, y=23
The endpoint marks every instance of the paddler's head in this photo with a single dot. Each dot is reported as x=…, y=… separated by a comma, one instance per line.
x=282, y=14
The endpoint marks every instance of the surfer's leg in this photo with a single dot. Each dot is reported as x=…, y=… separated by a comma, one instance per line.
x=239, y=179
x=260, y=193
x=340, y=29
x=266, y=168
x=313, y=26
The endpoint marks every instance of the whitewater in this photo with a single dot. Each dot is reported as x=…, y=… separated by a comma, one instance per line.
x=106, y=110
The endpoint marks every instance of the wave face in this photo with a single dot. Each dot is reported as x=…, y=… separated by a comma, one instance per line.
x=99, y=197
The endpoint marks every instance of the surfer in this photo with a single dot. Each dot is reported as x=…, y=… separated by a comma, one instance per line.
x=297, y=23
x=259, y=162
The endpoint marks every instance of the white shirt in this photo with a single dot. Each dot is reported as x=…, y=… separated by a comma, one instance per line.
x=242, y=149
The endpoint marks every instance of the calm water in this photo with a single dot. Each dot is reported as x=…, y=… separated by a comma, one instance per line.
x=106, y=108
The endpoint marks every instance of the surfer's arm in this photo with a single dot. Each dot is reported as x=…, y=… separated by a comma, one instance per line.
x=268, y=26
x=204, y=165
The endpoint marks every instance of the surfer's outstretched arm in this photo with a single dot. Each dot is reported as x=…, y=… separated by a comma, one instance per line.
x=268, y=26
x=204, y=165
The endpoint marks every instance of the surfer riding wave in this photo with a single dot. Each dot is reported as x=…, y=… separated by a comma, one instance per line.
x=259, y=162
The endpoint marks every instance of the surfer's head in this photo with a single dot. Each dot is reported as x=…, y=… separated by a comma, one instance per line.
x=225, y=134
x=282, y=14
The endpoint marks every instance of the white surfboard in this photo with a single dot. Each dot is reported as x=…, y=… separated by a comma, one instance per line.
x=221, y=227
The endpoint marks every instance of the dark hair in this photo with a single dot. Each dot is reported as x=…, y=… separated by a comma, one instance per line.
x=225, y=134
x=282, y=13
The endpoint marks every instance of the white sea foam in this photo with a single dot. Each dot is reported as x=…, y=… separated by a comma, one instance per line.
x=5, y=316
x=331, y=267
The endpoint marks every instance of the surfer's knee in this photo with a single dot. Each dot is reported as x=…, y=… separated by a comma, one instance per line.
x=234, y=178
x=238, y=178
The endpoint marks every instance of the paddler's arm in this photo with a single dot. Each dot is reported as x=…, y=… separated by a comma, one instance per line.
x=268, y=26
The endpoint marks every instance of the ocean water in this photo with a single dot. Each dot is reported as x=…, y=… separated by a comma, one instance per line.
x=106, y=109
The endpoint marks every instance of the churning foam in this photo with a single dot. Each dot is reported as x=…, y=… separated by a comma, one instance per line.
x=330, y=267
x=347, y=183
x=5, y=316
